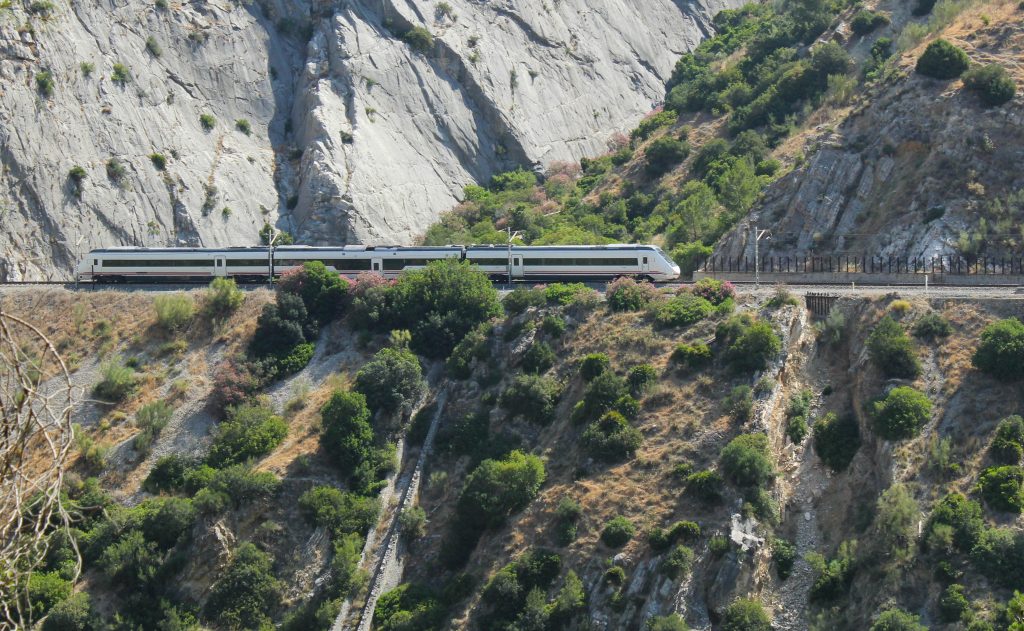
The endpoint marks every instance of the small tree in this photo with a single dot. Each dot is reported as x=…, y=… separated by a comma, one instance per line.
x=993, y=85
x=1008, y=443
x=612, y=438
x=665, y=153
x=593, y=365
x=892, y=350
x=538, y=358
x=246, y=591
x=1001, y=350
x=898, y=620
x=323, y=291
x=617, y=532
x=391, y=381
x=346, y=436
x=745, y=460
x=1003, y=488
x=901, y=414
x=942, y=60
x=251, y=431
x=836, y=440
x=533, y=397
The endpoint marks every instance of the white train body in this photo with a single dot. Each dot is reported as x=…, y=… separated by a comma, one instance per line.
x=537, y=263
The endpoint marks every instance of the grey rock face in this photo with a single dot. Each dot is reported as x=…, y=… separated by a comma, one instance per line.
x=356, y=136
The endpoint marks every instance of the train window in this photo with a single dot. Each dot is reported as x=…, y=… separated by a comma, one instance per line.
x=394, y=264
x=247, y=263
x=351, y=265
x=96, y=262
x=581, y=262
x=503, y=261
x=645, y=260
x=155, y=263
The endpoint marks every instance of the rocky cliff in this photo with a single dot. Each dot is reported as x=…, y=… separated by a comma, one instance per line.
x=341, y=121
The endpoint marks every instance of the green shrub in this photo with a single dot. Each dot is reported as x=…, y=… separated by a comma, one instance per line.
x=784, y=555
x=510, y=591
x=553, y=325
x=678, y=562
x=626, y=294
x=612, y=438
x=901, y=414
x=692, y=356
x=207, y=121
x=475, y=346
x=671, y=622
x=932, y=326
x=73, y=614
x=538, y=358
x=923, y=7
x=46, y=589
x=236, y=485
x=993, y=85
x=713, y=290
x=705, y=485
x=120, y=74
x=497, y=488
x=250, y=432
x=892, y=351
x=532, y=397
x=833, y=329
x=718, y=545
x=174, y=311
x=323, y=292
x=740, y=403
x=419, y=39
x=617, y=532
x=281, y=327
x=602, y=394
x=243, y=125
x=682, y=310
x=564, y=293
x=295, y=360
x=649, y=125
x=745, y=614
x=641, y=379
x=246, y=592
x=150, y=419
x=521, y=298
x=1008, y=444
x=116, y=171
x=796, y=429
x=750, y=344
x=347, y=436
x=960, y=514
x=896, y=521
x=408, y=607
x=44, y=83
x=1003, y=488
x=1001, y=350
x=224, y=297
x=391, y=381
x=118, y=381
x=953, y=604
x=836, y=440
x=594, y=365
x=865, y=22
x=999, y=555
x=168, y=474
x=833, y=577
x=898, y=620
x=746, y=461
x=942, y=60
x=339, y=511
x=567, y=517
x=664, y=154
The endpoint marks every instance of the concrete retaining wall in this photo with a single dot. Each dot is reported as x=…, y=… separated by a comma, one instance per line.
x=839, y=278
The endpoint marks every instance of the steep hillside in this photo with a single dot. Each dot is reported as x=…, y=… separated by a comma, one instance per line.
x=640, y=460
x=157, y=123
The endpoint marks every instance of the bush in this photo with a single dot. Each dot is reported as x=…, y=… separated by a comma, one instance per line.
x=641, y=379
x=833, y=577
x=682, y=310
x=1008, y=444
x=960, y=514
x=705, y=485
x=168, y=474
x=174, y=311
x=538, y=358
x=892, y=351
x=567, y=516
x=224, y=297
x=617, y=532
x=238, y=485
x=339, y=511
x=999, y=555
x=992, y=83
x=602, y=394
x=745, y=460
x=612, y=438
x=243, y=125
x=898, y=620
x=671, y=622
x=419, y=39
x=953, y=604
x=73, y=614
x=475, y=346
x=665, y=153
x=594, y=365
x=1001, y=350
x=441, y=303
x=520, y=299
x=497, y=488
x=117, y=383
x=532, y=397
x=1003, y=488
x=692, y=356
x=750, y=344
x=942, y=60
x=392, y=380
x=784, y=555
x=553, y=325
x=901, y=414
x=322, y=291
x=150, y=419
x=207, y=121
x=836, y=440
x=866, y=21
x=932, y=326
x=234, y=382
x=346, y=436
x=625, y=294
x=896, y=520
x=745, y=614
x=678, y=562
x=251, y=431
x=46, y=589
x=281, y=327
x=246, y=591
x=740, y=403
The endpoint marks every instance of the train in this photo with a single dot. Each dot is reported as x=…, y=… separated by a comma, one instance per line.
x=500, y=263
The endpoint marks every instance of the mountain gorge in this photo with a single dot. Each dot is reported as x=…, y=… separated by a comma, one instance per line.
x=194, y=123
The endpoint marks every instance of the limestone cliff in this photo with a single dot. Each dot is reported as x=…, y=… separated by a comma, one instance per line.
x=325, y=119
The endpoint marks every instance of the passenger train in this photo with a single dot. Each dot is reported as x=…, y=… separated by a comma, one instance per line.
x=521, y=263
